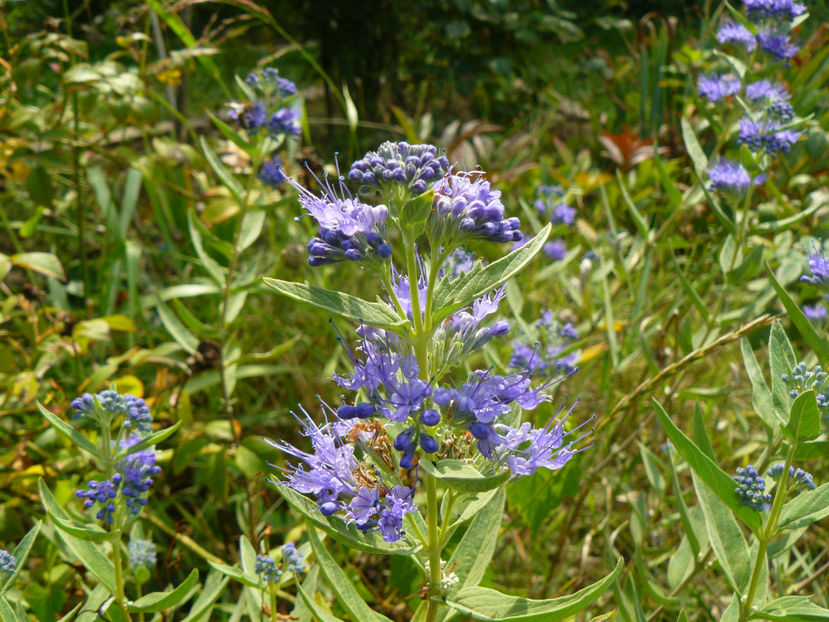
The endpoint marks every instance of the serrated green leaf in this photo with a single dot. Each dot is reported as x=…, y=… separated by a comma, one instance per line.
x=482, y=603
x=760, y=392
x=781, y=360
x=818, y=343
x=464, y=477
x=347, y=595
x=804, y=418
x=68, y=432
x=159, y=601
x=347, y=306
x=90, y=532
x=725, y=536
x=474, y=552
x=455, y=294
x=319, y=613
x=806, y=508
x=348, y=535
x=709, y=472
x=20, y=553
x=93, y=559
x=791, y=609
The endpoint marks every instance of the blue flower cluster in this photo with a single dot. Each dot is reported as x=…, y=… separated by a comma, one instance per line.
x=349, y=229
x=728, y=175
x=798, y=478
x=133, y=474
x=141, y=553
x=412, y=166
x=771, y=23
x=405, y=405
x=751, y=489
x=267, y=569
x=549, y=339
x=716, y=87
x=342, y=484
x=8, y=563
x=293, y=559
x=803, y=379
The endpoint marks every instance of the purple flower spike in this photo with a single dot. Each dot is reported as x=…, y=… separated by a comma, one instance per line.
x=819, y=266
x=717, y=87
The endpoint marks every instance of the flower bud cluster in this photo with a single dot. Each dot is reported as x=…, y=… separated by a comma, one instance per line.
x=141, y=553
x=803, y=379
x=292, y=560
x=107, y=406
x=798, y=478
x=466, y=207
x=771, y=23
x=8, y=563
x=411, y=166
x=751, y=489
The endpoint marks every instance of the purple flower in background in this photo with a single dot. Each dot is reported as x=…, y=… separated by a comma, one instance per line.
x=728, y=175
x=294, y=560
x=776, y=10
x=819, y=266
x=732, y=32
x=555, y=250
x=775, y=96
x=284, y=121
x=271, y=172
x=250, y=117
x=414, y=166
x=466, y=205
x=816, y=312
x=716, y=87
x=777, y=44
x=550, y=204
x=142, y=553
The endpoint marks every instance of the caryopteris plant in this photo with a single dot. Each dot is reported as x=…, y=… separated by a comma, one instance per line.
x=427, y=438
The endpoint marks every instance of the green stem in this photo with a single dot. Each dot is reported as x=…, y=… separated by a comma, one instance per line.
x=434, y=542
x=767, y=532
x=433, y=277
x=120, y=599
x=272, y=590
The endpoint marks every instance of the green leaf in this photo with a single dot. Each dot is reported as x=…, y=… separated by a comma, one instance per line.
x=700, y=162
x=90, y=532
x=474, y=552
x=791, y=609
x=250, y=228
x=236, y=574
x=7, y=614
x=760, y=393
x=782, y=360
x=464, y=477
x=89, y=608
x=44, y=263
x=817, y=342
x=811, y=450
x=212, y=590
x=214, y=270
x=93, y=559
x=653, y=469
x=39, y=185
x=159, y=601
x=709, y=472
x=225, y=176
x=348, y=535
x=453, y=295
x=347, y=596
x=804, y=418
x=177, y=330
x=482, y=603
x=301, y=612
x=638, y=219
x=68, y=432
x=20, y=552
x=350, y=307
x=149, y=441
x=725, y=536
x=806, y=508
x=319, y=613
x=350, y=110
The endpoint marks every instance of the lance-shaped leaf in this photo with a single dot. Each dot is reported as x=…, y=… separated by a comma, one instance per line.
x=806, y=508
x=473, y=553
x=68, y=432
x=159, y=601
x=350, y=307
x=804, y=418
x=56, y=514
x=482, y=603
x=347, y=595
x=791, y=609
x=458, y=293
x=715, y=478
x=20, y=553
x=818, y=342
